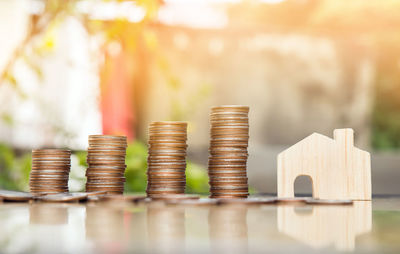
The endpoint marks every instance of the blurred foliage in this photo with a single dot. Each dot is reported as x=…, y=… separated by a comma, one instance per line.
x=386, y=114
x=14, y=170
x=386, y=227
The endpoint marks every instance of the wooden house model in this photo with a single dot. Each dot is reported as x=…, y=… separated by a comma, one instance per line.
x=337, y=169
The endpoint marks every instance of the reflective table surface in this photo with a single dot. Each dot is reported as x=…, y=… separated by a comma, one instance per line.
x=122, y=227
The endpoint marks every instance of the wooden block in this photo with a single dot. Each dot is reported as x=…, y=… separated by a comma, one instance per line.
x=338, y=170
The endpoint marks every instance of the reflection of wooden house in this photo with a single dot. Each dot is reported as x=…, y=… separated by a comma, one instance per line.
x=326, y=226
x=338, y=170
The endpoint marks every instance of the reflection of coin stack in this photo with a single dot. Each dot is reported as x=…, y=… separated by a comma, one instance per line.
x=228, y=229
x=228, y=152
x=166, y=229
x=167, y=158
x=50, y=171
x=104, y=223
x=106, y=164
x=48, y=213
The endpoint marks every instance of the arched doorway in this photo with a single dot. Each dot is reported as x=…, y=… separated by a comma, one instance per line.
x=303, y=186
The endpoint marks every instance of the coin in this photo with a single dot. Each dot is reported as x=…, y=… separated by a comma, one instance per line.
x=63, y=197
x=247, y=201
x=171, y=197
x=15, y=196
x=295, y=200
x=328, y=202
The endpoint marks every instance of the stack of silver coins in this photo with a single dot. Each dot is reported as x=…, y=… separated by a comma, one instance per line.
x=106, y=164
x=167, y=159
x=50, y=171
x=228, y=152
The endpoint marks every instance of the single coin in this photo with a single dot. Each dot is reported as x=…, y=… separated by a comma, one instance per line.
x=108, y=147
x=169, y=139
x=328, y=202
x=105, y=187
x=232, y=161
x=221, y=187
x=229, y=118
x=48, y=187
x=102, y=174
x=16, y=196
x=105, y=181
x=301, y=200
x=166, y=184
x=226, y=108
x=108, y=143
x=119, y=151
x=247, y=201
x=165, y=160
x=216, y=184
x=162, y=164
x=48, y=173
x=51, y=151
x=48, y=159
x=96, y=167
x=106, y=156
x=119, y=137
x=110, y=163
x=64, y=197
x=163, y=123
x=151, y=193
x=177, y=197
x=230, y=166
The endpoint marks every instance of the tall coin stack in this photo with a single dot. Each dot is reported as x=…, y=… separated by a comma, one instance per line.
x=167, y=159
x=228, y=152
x=106, y=164
x=50, y=171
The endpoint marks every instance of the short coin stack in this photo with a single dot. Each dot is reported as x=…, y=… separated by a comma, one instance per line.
x=106, y=164
x=167, y=159
x=228, y=152
x=50, y=171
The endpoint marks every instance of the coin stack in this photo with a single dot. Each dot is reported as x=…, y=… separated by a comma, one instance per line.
x=50, y=171
x=167, y=159
x=228, y=152
x=106, y=164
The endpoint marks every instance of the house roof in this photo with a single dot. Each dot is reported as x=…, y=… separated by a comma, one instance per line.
x=316, y=137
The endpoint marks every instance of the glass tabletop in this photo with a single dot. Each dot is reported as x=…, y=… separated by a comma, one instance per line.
x=121, y=227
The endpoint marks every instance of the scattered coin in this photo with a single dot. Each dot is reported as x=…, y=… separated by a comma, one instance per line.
x=295, y=200
x=63, y=197
x=166, y=161
x=106, y=164
x=175, y=197
x=328, y=202
x=247, y=201
x=15, y=196
x=50, y=171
